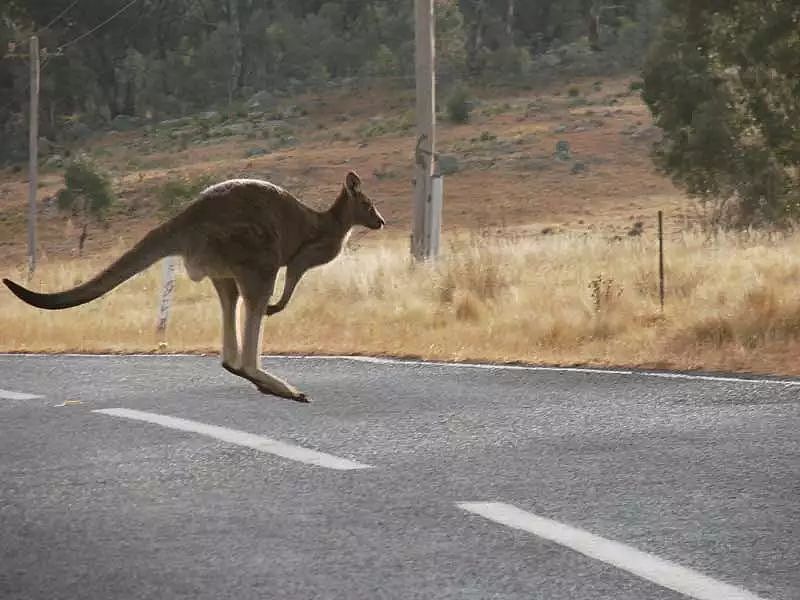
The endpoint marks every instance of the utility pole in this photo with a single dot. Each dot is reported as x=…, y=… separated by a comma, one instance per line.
x=427, y=206
x=33, y=151
x=33, y=137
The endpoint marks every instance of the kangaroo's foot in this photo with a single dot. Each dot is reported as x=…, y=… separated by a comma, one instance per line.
x=269, y=384
x=297, y=396
x=257, y=288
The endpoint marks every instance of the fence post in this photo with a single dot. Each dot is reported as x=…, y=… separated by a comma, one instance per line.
x=661, y=259
x=167, y=288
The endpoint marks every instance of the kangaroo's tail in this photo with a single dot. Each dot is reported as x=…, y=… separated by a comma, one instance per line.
x=157, y=244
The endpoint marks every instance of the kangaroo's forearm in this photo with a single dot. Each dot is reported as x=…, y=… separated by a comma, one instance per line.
x=292, y=277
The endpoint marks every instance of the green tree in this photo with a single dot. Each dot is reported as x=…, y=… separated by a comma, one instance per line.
x=87, y=193
x=723, y=82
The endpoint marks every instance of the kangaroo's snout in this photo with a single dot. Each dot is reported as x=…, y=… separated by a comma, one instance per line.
x=378, y=221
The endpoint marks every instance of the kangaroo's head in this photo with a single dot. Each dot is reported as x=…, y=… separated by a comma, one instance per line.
x=361, y=206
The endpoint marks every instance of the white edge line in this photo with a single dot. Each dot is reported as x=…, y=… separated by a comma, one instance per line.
x=589, y=370
x=458, y=365
x=642, y=564
x=240, y=438
x=9, y=395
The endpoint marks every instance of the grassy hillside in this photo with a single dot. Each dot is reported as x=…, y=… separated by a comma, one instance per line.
x=502, y=173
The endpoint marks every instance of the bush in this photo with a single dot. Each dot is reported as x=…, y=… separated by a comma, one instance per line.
x=459, y=105
x=176, y=193
x=605, y=293
x=87, y=190
x=384, y=63
x=379, y=126
x=508, y=63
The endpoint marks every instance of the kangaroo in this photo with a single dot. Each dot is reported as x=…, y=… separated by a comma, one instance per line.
x=238, y=233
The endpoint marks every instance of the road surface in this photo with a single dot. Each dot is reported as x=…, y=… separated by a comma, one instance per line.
x=167, y=477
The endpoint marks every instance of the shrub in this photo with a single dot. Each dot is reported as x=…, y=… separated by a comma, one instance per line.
x=605, y=292
x=459, y=105
x=87, y=190
x=509, y=63
x=176, y=193
x=636, y=85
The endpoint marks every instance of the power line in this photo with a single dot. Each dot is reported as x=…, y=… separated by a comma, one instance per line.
x=57, y=18
x=95, y=28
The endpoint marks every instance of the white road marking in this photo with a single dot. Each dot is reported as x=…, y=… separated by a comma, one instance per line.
x=9, y=395
x=642, y=564
x=379, y=360
x=593, y=371
x=240, y=438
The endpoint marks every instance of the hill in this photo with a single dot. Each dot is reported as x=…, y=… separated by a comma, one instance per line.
x=502, y=172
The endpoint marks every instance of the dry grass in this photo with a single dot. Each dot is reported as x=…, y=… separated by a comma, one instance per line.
x=731, y=304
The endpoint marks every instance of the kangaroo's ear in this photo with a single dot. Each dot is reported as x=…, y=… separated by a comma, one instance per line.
x=352, y=182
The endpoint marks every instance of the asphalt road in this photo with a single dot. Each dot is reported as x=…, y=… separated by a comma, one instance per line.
x=675, y=483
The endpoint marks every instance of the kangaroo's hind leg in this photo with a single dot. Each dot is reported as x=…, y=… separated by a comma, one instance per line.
x=256, y=293
x=228, y=299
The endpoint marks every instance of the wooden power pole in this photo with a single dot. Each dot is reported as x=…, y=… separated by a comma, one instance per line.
x=33, y=150
x=427, y=203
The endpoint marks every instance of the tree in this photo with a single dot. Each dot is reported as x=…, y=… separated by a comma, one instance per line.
x=723, y=83
x=87, y=193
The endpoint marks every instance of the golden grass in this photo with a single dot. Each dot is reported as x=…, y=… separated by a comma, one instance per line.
x=732, y=303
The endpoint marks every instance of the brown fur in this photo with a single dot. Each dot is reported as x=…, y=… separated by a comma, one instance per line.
x=239, y=233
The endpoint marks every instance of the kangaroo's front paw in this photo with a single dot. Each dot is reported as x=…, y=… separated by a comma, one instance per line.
x=272, y=309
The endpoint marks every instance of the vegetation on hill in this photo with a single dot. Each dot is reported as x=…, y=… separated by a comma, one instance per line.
x=160, y=58
x=721, y=78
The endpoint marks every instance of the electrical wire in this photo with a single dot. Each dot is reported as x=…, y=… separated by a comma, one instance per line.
x=57, y=18
x=96, y=27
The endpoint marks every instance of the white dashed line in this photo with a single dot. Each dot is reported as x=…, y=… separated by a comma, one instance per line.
x=642, y=564
x=240, y=438
x=9, y=395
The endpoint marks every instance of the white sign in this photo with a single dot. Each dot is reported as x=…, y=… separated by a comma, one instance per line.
x=166, y=293
x=434, y=215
